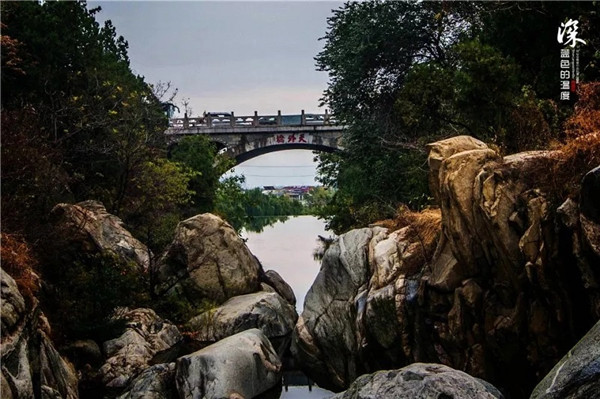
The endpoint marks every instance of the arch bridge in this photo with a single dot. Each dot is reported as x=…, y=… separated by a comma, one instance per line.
x=246, y=137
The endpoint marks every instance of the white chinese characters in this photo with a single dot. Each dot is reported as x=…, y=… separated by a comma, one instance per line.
x=569, y=29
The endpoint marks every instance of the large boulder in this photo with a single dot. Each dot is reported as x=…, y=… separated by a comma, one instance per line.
x=241, y=366
x=28, y=356
x=267, y=311
x=207, y=259
x=145, y=335
x=419, y=381
x=443, y=149
x=577, y=374
x=87, y=227
x=324, y=340
x=155, y=382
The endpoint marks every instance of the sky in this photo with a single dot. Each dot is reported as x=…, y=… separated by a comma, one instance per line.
x=232, y=56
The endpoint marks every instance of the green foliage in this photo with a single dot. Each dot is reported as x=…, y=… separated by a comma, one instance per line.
x=83, y=293
x=406, y=73
x=83, y=126
x=180, y=310
x=155, y=196
x=251, y=209
x=200, y=155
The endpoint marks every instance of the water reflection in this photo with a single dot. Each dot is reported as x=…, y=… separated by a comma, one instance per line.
x=257, y=224
x=288, y=247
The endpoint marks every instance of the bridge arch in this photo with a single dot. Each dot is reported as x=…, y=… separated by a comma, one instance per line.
x=247, y=155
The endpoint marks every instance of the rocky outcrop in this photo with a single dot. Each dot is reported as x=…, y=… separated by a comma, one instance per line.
x=87, y=227
x=327, y=340
x=577, y=375
x=207, y=259
x=31, y=366
x=156, y=382
x=146, y=335
x=241, y=366
x=513, y=284
x=266, y=311
x=419, y=381
x=273, y=279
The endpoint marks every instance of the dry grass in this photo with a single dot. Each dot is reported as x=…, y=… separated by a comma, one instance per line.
x=559, y=176
x=18, y=261
x=425, y=226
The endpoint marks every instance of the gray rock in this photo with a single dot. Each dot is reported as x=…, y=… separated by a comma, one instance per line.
x=272, y=278
x=241, y=366
x=12, y=304
x=28, y=357
x=56, y=375
x=207, y=259
x=156, y=382
x=419, y=381
x=128, y=355
x=577, y=374
x=88, y=227
x=324, y=339
x=266, y=311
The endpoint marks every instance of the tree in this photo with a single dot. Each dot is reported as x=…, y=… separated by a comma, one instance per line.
x=406, y=73
x=200, y=155
x=91, y=123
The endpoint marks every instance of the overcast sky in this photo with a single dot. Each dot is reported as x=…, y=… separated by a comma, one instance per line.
x=232, y=56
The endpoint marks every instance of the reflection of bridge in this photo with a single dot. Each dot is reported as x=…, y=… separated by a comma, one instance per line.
x=246, y=137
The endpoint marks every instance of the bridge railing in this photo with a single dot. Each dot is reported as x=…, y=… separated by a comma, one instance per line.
x=229, y=119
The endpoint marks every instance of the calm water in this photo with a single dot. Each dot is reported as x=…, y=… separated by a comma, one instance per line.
x=287, y=247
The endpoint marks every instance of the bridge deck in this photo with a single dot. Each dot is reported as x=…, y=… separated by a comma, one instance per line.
x=253, y=129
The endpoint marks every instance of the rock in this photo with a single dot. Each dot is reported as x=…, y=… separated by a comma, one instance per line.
x=128, y=355
x=577, y=374
x=156, y=382
x=272, y=278
x=241, y=366
x=590, y=195
x=56, y=375
x=13, y=304
x=88, y=227
x=514, y=282
x=443, y=149
x=268, y=312
x=324, y=339
x=207, y=259
x=419, y=381
x=28, y=357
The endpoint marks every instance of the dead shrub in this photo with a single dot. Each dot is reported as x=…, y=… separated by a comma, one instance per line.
x=18, y=261
x=425, y=227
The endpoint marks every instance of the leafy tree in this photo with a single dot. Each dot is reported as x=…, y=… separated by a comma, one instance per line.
x=82, y=124
x=155, y=196
x=406, y=73
x=200, y=155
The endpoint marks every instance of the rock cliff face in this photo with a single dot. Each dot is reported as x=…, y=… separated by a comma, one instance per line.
x=31, y=366
x=512, y=285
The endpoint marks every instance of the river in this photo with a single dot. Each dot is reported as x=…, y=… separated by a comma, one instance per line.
x=287, y=247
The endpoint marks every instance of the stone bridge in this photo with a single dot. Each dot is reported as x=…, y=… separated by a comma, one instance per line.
x=246, y=137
